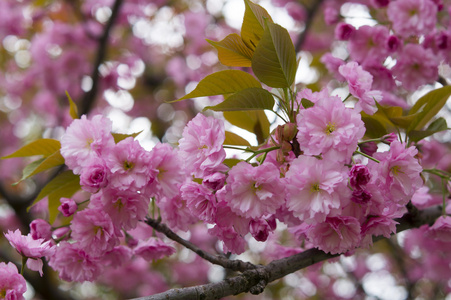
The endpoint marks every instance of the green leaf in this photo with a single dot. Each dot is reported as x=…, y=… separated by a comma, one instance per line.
x=253, y=24
x=436, y=126
x=254, y=121
x=274, y=59
x=42, y=164
x=230, y=162
x=223, y=83
x=232, y=51
x=428, y=106
x=247, y=99
x=374, y=126
x=45, y=147
x=122, y=136
x=65, y=184
x=234, y=139
x=73, y=110
x=307, y=103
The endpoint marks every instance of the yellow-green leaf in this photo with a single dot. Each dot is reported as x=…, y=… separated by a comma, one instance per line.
x=232, y=51
x=230, y=162
x=436, y=126
x=235, y=140
x=253, y=24
x=274, y=59
x=73, y=110
x=122, y=136
x=223, y=83
x=254, y=121
x=247, y=99
x=45, y=147
x=428, y=106
x=42, y=164
x=374, y=126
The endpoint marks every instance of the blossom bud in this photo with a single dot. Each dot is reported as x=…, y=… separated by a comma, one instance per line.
x=359, y=176
x=68, y=207
x=344, y=31
x=40, y=229
x=368, y=148
x=389, y=138
x=259, y=229
x=93, y=177
x=214, y=181
x=393, y=43
x=289, y=131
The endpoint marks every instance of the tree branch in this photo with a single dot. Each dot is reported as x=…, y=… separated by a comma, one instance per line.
x=255, y=280
x=311, y=13
x=234, y=265
x=89, y=97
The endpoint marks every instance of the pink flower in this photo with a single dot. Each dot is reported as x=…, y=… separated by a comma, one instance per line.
x=199, y=200
x=125, y=208
x=129, y=165
x=336, y=235
x=153, y=249
x=12, y=284
x=75, y=264
x=30, y=248
x=85, y=140
x=175, y=213
x=68, y=207
x=344, y=31
x=368, y=43
x=377, y=226
x=329, y=128
x=416, y=66
x=169, y=173
x=360, y=82
x=398, y=173
x=412, y=17
x=441, y=230
x=254, y=192
x=201, y=145
x=94, y=176
x=316, y=188
x=233, y=242
x=94, y=231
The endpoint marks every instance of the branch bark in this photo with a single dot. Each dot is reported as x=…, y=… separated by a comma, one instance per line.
x=255, y=280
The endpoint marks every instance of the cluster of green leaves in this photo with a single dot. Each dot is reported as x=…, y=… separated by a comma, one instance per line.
x=413, y=121
x=267, y=48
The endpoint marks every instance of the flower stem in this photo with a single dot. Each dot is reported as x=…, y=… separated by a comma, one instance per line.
x=366, y=155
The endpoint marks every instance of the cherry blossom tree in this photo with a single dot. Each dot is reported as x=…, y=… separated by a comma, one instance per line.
x=156, y=150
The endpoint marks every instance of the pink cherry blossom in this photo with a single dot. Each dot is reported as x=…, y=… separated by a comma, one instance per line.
x=260, y=229
x=129, y=165
x=199, y=200
x=254, y=192
x=416, y=66
x=169, y=173
x=125, y=208
x=316, y=188
x=201, y=145
x=94, y=231
x=367, y=43
x=412, y=17
x=30, y=248
x=153, y=249
x=40, y=229
x=85, y=140
x=75, y=264
x=359, y=176
x=12, y=284
x=94, y=176
x=360, y=82
x=329, y=127
x=336, y=235
x=441, y=230
x=233, y=242
x=398, y=173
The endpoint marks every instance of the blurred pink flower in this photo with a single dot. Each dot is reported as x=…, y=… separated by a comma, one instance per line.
x=12, y=284
x=412, y=17
x=153, y=249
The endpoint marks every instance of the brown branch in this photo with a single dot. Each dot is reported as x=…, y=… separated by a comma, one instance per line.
x=234, y=265
x=255, y=280
x=311, y=13
x=90, y=96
